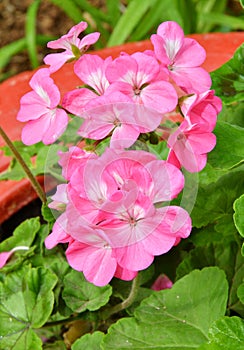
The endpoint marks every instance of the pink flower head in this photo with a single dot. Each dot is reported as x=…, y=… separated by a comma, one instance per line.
x=189, y=146
x=91, y=70
x=202, y=109
x=139, y=76
x=162, y=282
x=182, y=57
x=39, y=108
x=73, y=46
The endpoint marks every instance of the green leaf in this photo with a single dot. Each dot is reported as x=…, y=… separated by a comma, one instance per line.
x=228, y=80
x=81, y=295
x=229, y=150
x=26, y=301
x=58, y=345
x=242, y=3
x=89, y=341
x=238, y=215
x=214, y=202
x=234, y=302
x=227, y=333
x=240, y=292
x=177, y=318
x=70, y=8
x=30, y=32
x=132, y=16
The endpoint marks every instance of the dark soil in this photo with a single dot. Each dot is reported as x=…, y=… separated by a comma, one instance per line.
x=51, y=21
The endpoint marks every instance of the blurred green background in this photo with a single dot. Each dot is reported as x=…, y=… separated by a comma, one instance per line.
x=27, y=25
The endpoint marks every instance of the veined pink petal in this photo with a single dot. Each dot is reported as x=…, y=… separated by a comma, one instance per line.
x=76, y=100
x=58, y=234
x=60, y=198
x=159, y=49
x=57, y=125
x=147, y=68
x=124, y=136
x=168, y=181
x=89, y=39
x=123, y=68
x=192, y=80
x=160, y=96
x=74, y=32
x=98, y=265
x=31, y=107
x=91, y=70
x=191, y=54
x=173, y=36
x=57, y=60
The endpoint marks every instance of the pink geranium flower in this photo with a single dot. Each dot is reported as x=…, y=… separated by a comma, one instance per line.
x=139, y=76
x=39, y=108
x=202, y=109
x=72, y=45
x=189, y=146
x=91, y=71
x=182, y=57
x=116, y=114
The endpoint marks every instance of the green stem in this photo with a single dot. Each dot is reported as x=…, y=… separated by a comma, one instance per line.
x=35, y=184
x=126, y=303
x=65, y=321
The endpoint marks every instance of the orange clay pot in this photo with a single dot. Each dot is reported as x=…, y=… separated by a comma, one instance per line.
x=16, y=194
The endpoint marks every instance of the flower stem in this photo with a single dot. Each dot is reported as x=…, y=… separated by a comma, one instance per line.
x=126, y=303
x=35, y=184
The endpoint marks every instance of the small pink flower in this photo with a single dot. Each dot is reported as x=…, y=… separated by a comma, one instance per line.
x=202, y=109
x=91, y=71
x=73, y=46
x=182, y=57
x=189, y=146
x=139, y=77
x=39, y=108
x=162, y=282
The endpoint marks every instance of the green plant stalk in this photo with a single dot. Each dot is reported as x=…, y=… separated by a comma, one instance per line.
x=105, y=314
x=35, y=184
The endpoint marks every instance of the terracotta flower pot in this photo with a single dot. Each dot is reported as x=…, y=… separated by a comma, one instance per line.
x=16, y=194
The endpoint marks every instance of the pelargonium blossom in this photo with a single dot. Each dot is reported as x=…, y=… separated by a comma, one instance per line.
x=72, y=45
x=182, y=57
x=112, y=222
x=91, y=71
x=139, y=76
x=40, y=109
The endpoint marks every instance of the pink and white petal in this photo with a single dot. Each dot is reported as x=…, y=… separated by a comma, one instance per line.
x=89, y=68
x=57, y=126
x=200, y=143
x=192, y=80
x=191, y=54
x=4, y=256
x=160, y=96
x=31, y=107
x=34, y=130
x=159, y=49
x=124, y=69
x=124, y=88
x=74, y=101
x=124, y=274
x=148, y=68
x=57, y=60
x=124, y=136
x=173, y=36
x=168, y=180
x=176, y=222
x=95, y=130
x=89, y=39
x=73, y=32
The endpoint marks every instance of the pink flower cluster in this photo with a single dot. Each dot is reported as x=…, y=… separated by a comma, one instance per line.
x=112, y=222
x=115, y=207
